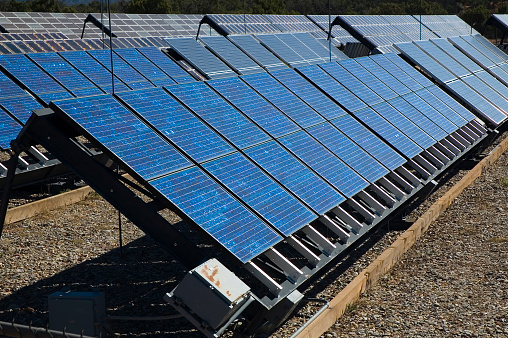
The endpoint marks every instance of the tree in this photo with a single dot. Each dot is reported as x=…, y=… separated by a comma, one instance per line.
x=149, y=6
x=391, y=8
x=476, y=16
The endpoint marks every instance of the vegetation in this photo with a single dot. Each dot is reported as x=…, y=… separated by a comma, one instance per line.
x=474, y=12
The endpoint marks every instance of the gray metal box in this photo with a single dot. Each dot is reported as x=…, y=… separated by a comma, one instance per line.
x=212, y=292
x=77, y=312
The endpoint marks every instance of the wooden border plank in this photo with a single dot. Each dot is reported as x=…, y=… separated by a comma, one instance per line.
x=381, y=265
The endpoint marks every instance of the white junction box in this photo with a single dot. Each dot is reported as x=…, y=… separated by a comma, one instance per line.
x=77, y=312
x=212, y=292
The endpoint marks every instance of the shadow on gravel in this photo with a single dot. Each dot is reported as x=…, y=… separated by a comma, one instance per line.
x=134, y=283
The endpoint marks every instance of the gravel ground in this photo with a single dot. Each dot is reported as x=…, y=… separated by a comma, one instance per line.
x=77, y=248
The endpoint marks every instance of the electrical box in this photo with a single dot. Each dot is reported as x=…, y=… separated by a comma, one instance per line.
x=212, y=292
x=77, y=312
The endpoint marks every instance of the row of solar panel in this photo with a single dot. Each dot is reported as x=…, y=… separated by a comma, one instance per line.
x=252, y=160
x=470, y=67
x=50, y=76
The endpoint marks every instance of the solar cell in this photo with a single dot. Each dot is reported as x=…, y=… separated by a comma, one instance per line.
x=368, y=141
x=409, y=70
x=397, y=72
x=308, y=93
x=279, y=48
x=295, y=176
x=166, y=64
x=9, y=88
x=324, y=163
x=443, y=108
x=487, y=92
x=387, y=131
x=219, y=114
x=352, y=83
x=139, y=62
x=487, y=52
x=20, y=107
x=313, y=44
x=348, y=152
x=333, y=88
x=300, y=48
x=113, y=126
x=260, y=192
x=450, y=102
x=254, y=106
x=231, y=55
x=283, y=99
x=381, y=74
x=466, y=62
x=178, y=124
x=472, y=52
x=217, y=212
x=9, y=129
x=444, y=59
x=491, y=47
x=253, y=48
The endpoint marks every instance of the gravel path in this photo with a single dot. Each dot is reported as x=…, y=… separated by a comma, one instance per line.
x=77, y=248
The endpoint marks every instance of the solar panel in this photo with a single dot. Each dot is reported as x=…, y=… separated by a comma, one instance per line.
x=231, y=55
x=481, y=39
x=397, y=72
x=112, y=125
x=122, y=70
x=444, y=59
x=217, y=212
x=450, y=102
x=283, y=99
x=254, y=106
x=382, y=75
x=348, y=152
x=294, y=175
x=20, y=107
x=352, y=83
x=260, y=192
x=201, y=59
x=409, y=70
x=166, y=64
x=324, y=163
x=313, y=44
x=92, y=69
x=279, y=48
x=443, y=108
x=472, y=52
x=179, y=125
x=494, y=57
x=64, y=73
x=334, y=89
x=9, y=88
x=300, y=48
x=9, y=129
x=466, y=62
x=309, y=93
x=487, y=92
x=387, y=131
x=139, y=62
x=29, y=74
x=368, y=141
x=256, y=51
x=220, y=115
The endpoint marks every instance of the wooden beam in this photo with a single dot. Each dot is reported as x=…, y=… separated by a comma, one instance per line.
x=382, y=264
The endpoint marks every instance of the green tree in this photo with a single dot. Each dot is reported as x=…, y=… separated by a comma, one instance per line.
x=391, y=8
x=269, y=7
x=149, y=6
x=54, y=6
x=476, y=16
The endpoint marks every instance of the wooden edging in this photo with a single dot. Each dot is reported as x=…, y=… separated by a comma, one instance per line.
x=31, y=209
x=370, y=275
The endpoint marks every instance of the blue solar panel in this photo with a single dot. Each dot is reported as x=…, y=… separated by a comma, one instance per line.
x=324, y=163
x=404, y=125
x=230, y=54
x=260, y=192
x=466, y=62
x=139, y=62
x=487, y=92
x=336, y=91
x=124, y=135
x=477, y=102
x=397, y=72
x=177, y=123
x=295, y=176
x=166, y=64
x=283, y=99
x=384, y=76
x=351, y=82
x=248, y=44
x=20, y=107
x=378, y=87
x=218, y=213
x=9, y=88
x=9, y=129
x=419, y=57
x=443, y=110
x=92, y=69
x=347, y=151
x=47, y=98
x=418, y=118
x=121, y=69
x=254, y=106
x=64, y=73
x=282, y=50
x=493, y=83
x=450, y=102
x=444, y=59
x=369, y=142
x=472, y=52
x=309, y=93
x=29, y=74
x=300, y=48
x=490, y=46
x=409, y=70
x=495, y=58
x=219, y=114
x=387, y=131
x=202, y=59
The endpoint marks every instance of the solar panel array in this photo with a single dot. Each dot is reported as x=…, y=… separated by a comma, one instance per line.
x=467, y=78
x=446, y=25
x=233, y=24
x=340, y=35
